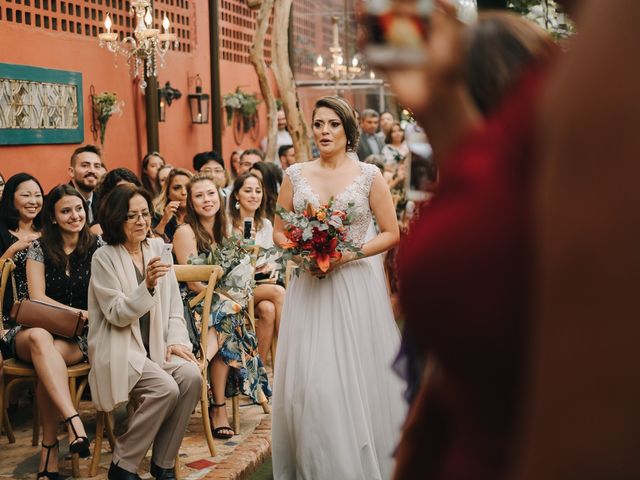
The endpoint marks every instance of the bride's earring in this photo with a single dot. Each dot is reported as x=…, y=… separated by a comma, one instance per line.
x=237, y=205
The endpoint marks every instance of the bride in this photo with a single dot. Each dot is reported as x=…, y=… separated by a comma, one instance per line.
x=337, y=406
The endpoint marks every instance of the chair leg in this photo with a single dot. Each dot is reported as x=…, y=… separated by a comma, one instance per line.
x=235, y=407
x=110, y=435
x=97, y=447
x=35, y=437
x=262, y=399
x=75, y=458
x=206, y=424
x=176, y=468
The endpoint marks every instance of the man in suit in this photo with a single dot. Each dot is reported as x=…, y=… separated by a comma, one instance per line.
x=85, y=171
x=370, y=143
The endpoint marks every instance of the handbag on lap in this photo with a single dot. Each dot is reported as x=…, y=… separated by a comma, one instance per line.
x=56, y=320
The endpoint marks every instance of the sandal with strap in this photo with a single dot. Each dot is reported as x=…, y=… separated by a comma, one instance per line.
x=218, y=432
x=46, y=473
x=81, y=444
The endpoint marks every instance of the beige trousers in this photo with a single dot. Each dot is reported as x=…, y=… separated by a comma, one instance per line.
x=167, y=397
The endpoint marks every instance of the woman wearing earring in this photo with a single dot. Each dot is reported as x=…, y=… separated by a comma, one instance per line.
x=249, y=202
x=232, y=349
x=58, y=271
x=170, y=206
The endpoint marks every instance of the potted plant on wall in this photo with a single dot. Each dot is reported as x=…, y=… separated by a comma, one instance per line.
x=243, y=104
x=105, y=105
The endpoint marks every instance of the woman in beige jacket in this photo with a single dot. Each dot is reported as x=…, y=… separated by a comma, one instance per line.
x=138, y=341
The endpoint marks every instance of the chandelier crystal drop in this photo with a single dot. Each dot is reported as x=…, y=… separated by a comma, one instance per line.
x=146, y=47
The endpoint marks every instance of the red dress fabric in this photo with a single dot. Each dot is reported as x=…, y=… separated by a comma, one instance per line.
x=464, y=285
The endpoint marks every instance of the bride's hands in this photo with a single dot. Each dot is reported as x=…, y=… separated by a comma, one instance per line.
x=346, y=257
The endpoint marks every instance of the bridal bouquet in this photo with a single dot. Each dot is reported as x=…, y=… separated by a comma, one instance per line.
x=317, y=236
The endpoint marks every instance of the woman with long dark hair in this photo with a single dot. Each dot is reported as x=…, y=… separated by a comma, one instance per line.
x=151, y=164
x=232, y=349
x=19, y=227
x=249, y=201
x=271, y=176
x=58, y=272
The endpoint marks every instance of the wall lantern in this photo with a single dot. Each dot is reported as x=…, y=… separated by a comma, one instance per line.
x=199, y=104
x=166, y=95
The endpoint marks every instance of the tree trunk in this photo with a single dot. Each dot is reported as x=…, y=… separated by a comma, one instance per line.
x=286, y=83
x=256, y=55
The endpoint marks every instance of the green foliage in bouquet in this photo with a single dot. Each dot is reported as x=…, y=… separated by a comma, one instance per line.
x=104, y=106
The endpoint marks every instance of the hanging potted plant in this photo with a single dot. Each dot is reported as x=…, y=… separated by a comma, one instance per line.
x=104, y=106
x=244, y=104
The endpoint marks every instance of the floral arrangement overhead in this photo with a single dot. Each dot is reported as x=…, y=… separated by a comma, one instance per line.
x=105, y=105
x=245, y=104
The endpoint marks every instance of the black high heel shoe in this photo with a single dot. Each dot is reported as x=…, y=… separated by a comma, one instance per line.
x=46, y=473
x=223, y=433
x=81, y=444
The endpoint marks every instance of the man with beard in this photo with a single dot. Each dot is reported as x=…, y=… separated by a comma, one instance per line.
x=85, y=171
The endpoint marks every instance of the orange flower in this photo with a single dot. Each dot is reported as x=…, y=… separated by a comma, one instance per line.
x=288, y=244
x=321, y=215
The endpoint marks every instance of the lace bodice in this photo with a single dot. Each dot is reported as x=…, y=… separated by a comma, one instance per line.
x=357, y=193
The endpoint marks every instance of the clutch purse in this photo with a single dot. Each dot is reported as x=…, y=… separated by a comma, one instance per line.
x=56, y=320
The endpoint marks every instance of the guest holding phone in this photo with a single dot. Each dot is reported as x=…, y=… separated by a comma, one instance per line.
x=170, y=206
x=58, y=272
x=138, y=341
x=249, y=202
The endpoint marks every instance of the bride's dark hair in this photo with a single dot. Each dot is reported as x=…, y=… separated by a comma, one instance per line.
x=347, y=116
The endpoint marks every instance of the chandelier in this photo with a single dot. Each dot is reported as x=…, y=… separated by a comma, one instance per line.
x=146, y=43
x=337, y=70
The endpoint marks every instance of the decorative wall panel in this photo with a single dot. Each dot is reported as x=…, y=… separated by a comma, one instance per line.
x=40, y=105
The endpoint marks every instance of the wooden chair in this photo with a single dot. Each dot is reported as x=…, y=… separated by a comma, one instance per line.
x=18, y=373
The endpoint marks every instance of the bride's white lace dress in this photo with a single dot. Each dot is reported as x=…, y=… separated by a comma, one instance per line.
x=337, y=405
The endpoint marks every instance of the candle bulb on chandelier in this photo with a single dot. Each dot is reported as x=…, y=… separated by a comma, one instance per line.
x=165, y=23
x=107, y=23
x=319, y=61
x=148, y=19
x=354, y=62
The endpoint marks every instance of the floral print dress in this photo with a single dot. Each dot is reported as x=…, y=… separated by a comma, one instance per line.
x=237, y=346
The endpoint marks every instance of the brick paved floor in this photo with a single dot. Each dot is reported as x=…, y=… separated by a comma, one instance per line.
x=236, y=458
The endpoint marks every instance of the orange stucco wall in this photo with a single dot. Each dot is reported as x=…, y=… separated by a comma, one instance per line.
x=125, y=141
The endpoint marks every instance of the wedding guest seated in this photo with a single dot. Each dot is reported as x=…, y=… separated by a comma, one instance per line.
x=161, y=178
x=119, y=176
x=151, y=164
x=86, y=169
x=271, y=176
x=234, y=162
x=58, y=271
x=170, y=206
x=250, y=200
x=234, y=364
x=19, y=226
x=248, y=158
x=138, y=341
